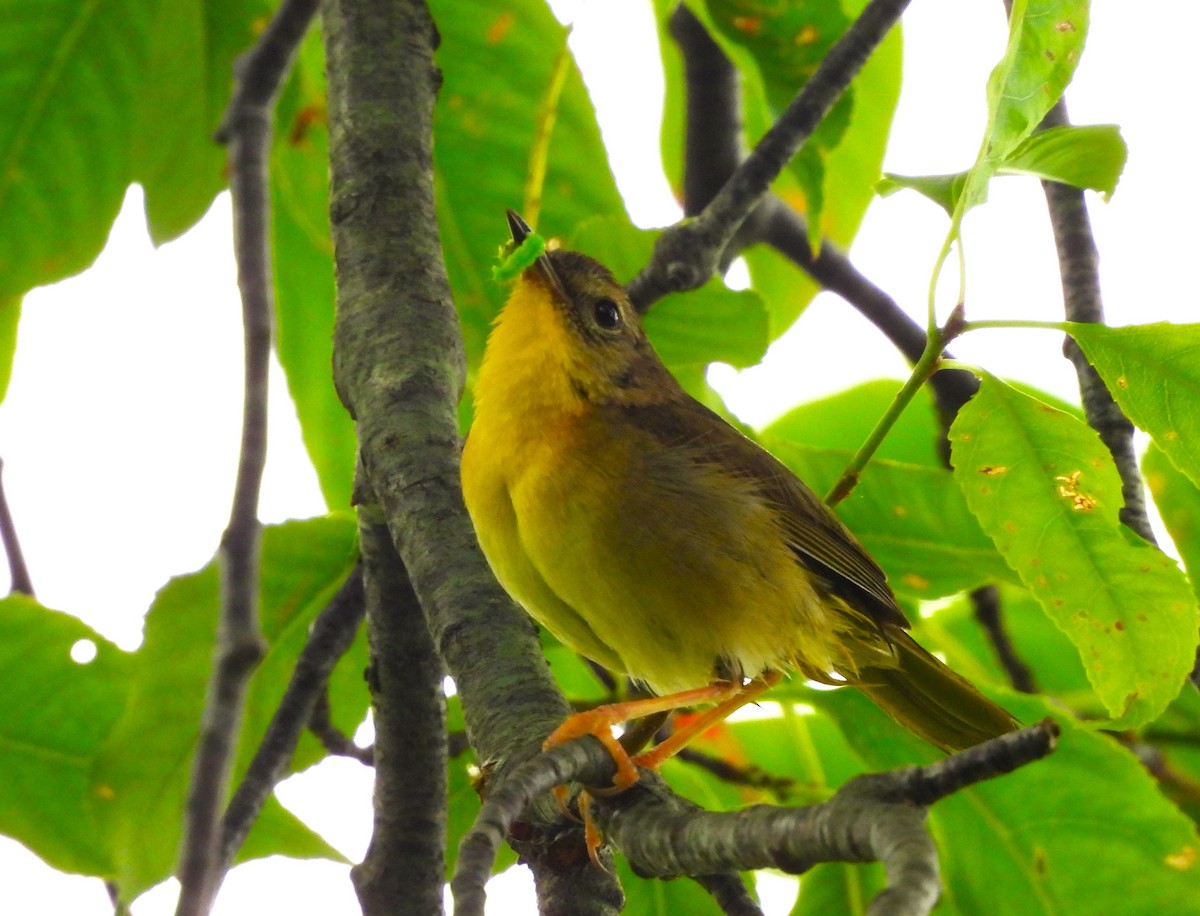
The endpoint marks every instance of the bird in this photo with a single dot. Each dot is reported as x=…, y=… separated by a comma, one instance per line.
x=654, y=538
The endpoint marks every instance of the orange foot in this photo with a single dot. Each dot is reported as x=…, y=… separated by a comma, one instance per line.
x=728, y=695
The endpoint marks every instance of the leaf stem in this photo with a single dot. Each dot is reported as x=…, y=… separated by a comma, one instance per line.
x=987, y=323
x=928, y=364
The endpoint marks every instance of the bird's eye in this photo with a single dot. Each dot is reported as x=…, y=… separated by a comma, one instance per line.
x=607, y=314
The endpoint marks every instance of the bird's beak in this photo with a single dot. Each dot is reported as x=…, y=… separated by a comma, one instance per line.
x=520, y=229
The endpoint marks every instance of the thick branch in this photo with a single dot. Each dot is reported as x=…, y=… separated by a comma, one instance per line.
x=247, y=129
x=689, y=253
x=712, y=147
x=405, y=864
x=18, y=572
x=399, y=368
x=712, y=154
x=329, y=639
x=877, y=817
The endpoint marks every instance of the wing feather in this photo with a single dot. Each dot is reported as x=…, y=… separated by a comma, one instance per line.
x=821, y=542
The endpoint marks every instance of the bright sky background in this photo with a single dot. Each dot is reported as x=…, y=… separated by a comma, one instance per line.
x=119, y=432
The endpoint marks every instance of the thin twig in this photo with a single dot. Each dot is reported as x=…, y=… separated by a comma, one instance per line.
x=18, y=572
x=689, y=253
x=332, y=738
x=247, y=129
x=988, y=612
x=331, y=636
x=751, y=776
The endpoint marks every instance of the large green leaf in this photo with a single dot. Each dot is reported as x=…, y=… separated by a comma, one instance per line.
x=187, y=85
x=1153, y=372
x=1045, y=41
x=1090, y=156
x=142, y=772
x=1045, y=489
x=652, y=897
x=498, y=61
x=54, y=717
x=98, y=95
x=67, y=136
x=1000, y=852
x=97, y=755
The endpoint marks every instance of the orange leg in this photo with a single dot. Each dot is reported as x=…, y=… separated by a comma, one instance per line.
x=653, y=758
x=728, y=695
x=599, y=722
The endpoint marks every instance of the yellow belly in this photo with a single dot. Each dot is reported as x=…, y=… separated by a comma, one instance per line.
x=641, y=559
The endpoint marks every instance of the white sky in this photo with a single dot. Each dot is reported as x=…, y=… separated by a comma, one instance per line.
x=119, y=432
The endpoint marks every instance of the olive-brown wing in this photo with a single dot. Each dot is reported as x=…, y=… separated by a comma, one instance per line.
x=820, y=540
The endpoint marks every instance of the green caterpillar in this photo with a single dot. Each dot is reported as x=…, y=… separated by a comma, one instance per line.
x=513, y=263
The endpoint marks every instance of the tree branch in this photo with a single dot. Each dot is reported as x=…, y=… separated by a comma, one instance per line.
x=989, y=615
x=689, y=253
x=877, y=817
x=404, y=869
x=330, y=638
x=712, y=154
x=333, y=739
x=19, y=577
x=247, y=130
x=1079, y=269
x=399, y=368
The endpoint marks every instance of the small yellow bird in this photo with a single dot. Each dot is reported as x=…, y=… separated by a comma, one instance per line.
x=649, y=535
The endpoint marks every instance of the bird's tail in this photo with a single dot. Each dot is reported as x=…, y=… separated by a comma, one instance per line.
x=931, y=700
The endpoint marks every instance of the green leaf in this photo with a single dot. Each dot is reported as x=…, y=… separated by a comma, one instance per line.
x=10, y=315
x=1045, y=41
x=1095, y=803
x=1087, y=157
x=1091, y=157
x=711, y=324
x=54, y=717
x=943, y=190
x=187, y=85
x=144, y=768
x=96, y=96
x=1153, y=373
x=1045, y=489
x=66, y=130
x=1178, y=502
x=911, y=518
x=498, y=60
